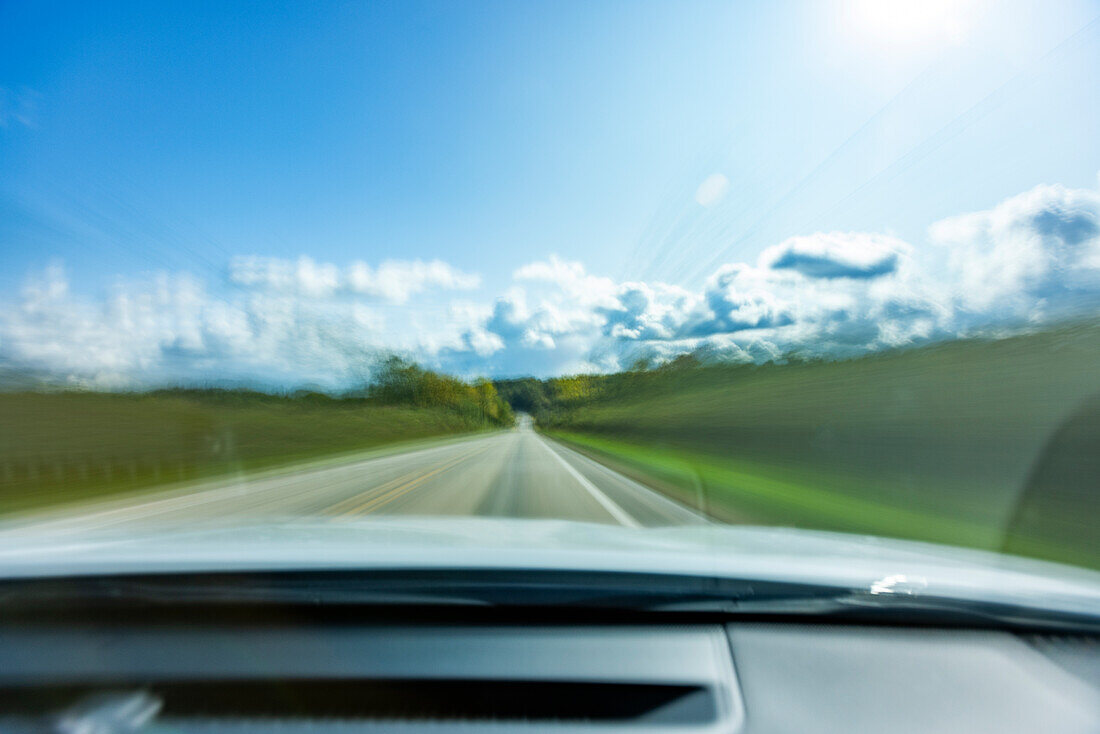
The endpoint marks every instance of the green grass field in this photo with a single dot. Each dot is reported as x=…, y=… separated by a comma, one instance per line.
x=989, y=444
x=67, y=446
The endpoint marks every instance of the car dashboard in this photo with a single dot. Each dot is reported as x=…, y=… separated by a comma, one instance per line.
x=227, y=668
x=272, y=654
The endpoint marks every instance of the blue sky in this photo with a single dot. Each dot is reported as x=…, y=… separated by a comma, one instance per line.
x=189, y=142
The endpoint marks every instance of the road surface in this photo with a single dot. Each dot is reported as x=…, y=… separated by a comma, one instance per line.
x=515, y=473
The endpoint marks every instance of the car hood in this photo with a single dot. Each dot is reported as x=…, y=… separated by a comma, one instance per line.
x=863, y=563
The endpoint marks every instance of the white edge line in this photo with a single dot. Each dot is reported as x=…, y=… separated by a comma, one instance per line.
x=651, y=497
x=606, y=502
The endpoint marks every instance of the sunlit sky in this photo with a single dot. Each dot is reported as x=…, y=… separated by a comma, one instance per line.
x=263, y=161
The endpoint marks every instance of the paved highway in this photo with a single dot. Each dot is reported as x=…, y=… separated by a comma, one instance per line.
x=516, y=473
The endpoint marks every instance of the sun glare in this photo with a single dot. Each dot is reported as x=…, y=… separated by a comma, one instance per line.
x=911, y=21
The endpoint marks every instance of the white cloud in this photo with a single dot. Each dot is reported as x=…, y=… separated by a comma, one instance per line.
x=393, y=281
x=737, y=298
x=1035, y=255
x=397, y=280
x=712, y=190
x=299, y=276
x=1030, y=259
x=284, y=328
x=551, y=319
x=743, y=311
x=648, y=312
x=837, y=255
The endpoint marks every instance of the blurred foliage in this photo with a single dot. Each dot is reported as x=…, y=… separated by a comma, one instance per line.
x=989, y=443
x=399, y=382
x=63, y=445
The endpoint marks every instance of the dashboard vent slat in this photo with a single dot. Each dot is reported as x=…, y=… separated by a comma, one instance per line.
x=434, y=700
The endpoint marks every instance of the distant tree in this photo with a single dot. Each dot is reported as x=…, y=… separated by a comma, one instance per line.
x=397, y=381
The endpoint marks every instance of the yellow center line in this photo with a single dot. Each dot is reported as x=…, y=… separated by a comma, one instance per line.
x=360, y=497
x=377, y=500
x=394, y=494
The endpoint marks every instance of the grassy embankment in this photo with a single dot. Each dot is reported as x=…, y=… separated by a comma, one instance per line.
x=988, y=444
x=58, y=447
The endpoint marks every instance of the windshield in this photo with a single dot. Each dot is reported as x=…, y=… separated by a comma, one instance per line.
x=804, y=281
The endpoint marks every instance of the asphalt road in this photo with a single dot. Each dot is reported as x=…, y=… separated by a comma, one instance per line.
x=516, y=473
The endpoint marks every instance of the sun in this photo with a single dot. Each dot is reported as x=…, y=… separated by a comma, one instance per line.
x=911, y=21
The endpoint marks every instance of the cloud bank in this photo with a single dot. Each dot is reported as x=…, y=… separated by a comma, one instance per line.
x=393, y=281
x=1031, y=259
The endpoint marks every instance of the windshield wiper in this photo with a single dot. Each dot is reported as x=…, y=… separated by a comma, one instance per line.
x=522, y=589
x=856, y=606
